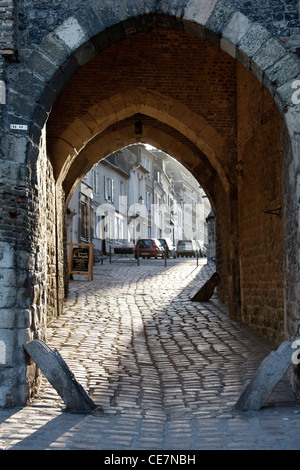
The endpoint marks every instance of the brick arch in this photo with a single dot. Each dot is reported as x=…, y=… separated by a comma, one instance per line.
x=138, y=101
x=233, y=35
x=124, y=134
x=79, y=40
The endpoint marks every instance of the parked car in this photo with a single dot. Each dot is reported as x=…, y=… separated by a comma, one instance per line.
x=148, y=247
x=126, y=248
x=169, y=247
x=186, y=248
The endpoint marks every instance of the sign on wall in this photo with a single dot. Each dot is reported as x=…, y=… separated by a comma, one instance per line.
x=81, y=259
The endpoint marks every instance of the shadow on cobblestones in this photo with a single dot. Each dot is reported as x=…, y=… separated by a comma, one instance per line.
x=165, y=371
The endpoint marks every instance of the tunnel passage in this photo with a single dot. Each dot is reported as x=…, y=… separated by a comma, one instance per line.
x=198, y=104
x=202, y=78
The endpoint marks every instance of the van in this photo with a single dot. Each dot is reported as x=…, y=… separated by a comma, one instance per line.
x=186, y=248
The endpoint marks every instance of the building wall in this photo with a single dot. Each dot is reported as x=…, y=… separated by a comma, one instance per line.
x=140, y=171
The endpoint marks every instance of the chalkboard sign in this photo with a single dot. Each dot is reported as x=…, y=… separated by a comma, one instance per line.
x=81, y=259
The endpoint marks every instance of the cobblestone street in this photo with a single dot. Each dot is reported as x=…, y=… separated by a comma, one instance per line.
x=163, y=371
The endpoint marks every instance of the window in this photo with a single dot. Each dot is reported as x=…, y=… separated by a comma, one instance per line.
x=109, y=189
x=97, y=225
x=119, y=229
x=95, y=182
x=85, y=220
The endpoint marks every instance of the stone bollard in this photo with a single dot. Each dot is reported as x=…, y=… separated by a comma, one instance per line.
x=269, y=373
x=59, y=375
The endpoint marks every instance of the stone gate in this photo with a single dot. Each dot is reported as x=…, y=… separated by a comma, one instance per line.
x=214, y=83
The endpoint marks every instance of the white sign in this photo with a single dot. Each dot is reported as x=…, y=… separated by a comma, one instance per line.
x=2, y=353
x=19, y=127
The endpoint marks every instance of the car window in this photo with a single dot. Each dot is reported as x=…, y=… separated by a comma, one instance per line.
x=145, y=243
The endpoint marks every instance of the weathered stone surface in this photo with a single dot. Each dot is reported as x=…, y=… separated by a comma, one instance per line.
x=251, y=42
x=266, y=56
x=59, y=375
x=270, y=372
x=234, y=31
x=71, y=33
x=285, y=69
x=199, y=11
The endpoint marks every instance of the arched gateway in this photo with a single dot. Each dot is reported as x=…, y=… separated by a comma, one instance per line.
x=211, y=86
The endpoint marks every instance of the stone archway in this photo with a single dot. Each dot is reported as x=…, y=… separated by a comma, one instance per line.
x=259, y=62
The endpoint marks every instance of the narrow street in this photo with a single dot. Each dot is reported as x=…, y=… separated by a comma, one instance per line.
x=164, y=372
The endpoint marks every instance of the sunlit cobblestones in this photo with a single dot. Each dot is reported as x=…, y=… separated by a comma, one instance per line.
x=163, y=371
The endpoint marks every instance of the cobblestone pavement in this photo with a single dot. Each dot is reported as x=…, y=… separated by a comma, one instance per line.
x=163, y=371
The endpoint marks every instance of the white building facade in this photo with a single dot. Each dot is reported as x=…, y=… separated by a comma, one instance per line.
x=137, y=192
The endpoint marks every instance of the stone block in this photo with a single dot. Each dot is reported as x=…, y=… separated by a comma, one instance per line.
x=6, y=256
x=28, y=85
x=220, y=16
x=269, y=373
x=234, y=31
x=59, y=375
x=11, y=318
x=266, y=57
x=17, y=147
x=109, y=12
x=207, y=290
x=12, y=341
x=85, y=53
x=55, y=49
x=250, y=43
x=199, y=10
x=12, y=396
x=41, y=65
x=89, y=20
x=71, y=33
x=282, y=71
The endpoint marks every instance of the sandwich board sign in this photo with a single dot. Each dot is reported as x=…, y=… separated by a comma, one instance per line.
x=81, y=259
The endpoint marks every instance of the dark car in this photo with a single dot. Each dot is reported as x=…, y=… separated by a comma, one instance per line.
x=148, y=247
x=170, y=248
